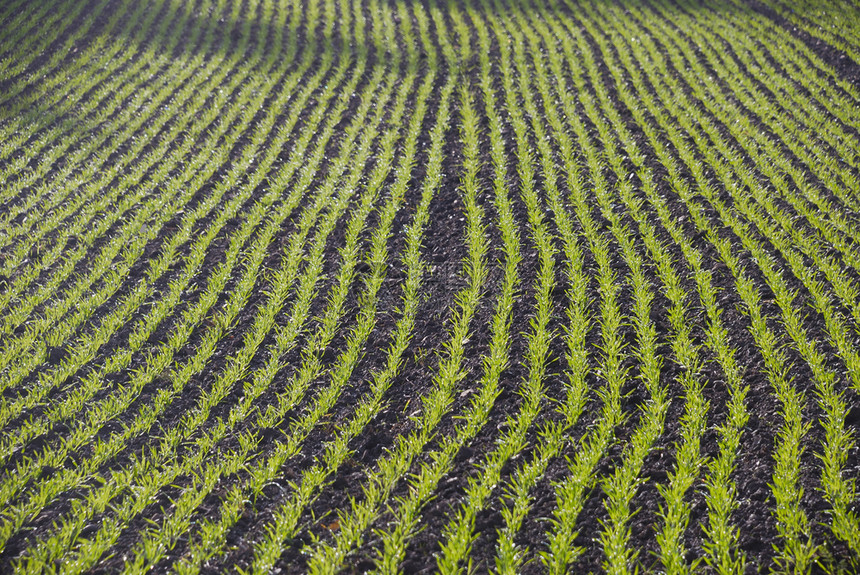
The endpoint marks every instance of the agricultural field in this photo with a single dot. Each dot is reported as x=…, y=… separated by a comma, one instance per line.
x=510, y=286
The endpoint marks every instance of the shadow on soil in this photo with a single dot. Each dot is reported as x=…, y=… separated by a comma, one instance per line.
x=100, y=34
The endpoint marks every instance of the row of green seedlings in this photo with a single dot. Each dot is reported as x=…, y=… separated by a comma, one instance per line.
x=158, y=267
x=159, y=539
x=721, y=538
x=167, y=259
x=688, y=455
x=336, y=450
x=200, y=177
x=19, y=18
x=836, y=22
x=834, y=100
x=796, y=50
x=57, y=311
x=510, y=558
x=553, y=438
x=201, y=415
x=49, y=146
x=765, y=153
x=235, y=247
x=406, y=513
x=389, y=563
x=140, y=336
x=801, y=68
x=193, y=315
x=841, y=284
x=118, y=176
x=212, y=532
x=259, y=214
x=54, y=326
x=812, y=213
x=374, y=499
x=838, y=332
x=676, y=514
x=286, y=515
x=61, y=87
x=621, y=486
x=828, y=111
x=819, y=123
x=82, y=228
x=85, y=232
x=70, y=23
x=14, y=7
x=330, y=556
x=238, y=171
x=573, y=491
x=21, y=47
x=833, y=92
x=459, y=534
x=694, y=424
x=51, y=70
x=791, y=520
x=30, y=46
x=62, y=112
x=311, y=365
x=837, y=490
